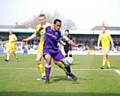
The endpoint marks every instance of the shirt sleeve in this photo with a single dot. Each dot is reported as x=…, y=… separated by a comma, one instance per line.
x=37, y=30
x=15, y=37
x=109, y=35
x=65, y=38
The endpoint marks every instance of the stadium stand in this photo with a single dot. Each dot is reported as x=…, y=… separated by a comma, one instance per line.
x=86, y=37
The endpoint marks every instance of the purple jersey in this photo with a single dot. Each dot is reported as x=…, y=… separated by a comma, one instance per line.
x=51, y=38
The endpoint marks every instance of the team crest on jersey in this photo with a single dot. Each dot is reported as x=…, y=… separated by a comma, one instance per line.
x=56, y=33
x=42, y=33
x=103, y=38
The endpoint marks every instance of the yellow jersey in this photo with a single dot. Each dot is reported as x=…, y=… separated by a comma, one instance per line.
x=104, y=38
x=12, y=38
x=11, y=45
x=42, y=32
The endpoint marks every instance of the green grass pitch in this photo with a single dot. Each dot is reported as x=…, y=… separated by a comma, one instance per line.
x=19, y=78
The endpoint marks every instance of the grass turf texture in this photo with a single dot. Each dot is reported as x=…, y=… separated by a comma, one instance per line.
x=19, y=78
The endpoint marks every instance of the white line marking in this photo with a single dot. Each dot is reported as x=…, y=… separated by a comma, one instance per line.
x=30, y=68
x=117, y=71
x=94, y=69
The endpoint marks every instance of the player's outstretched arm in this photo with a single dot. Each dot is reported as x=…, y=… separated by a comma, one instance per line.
x=29, y=38
x=98, y=43
x=33, y=35
x=112, y=44
x=74, y=44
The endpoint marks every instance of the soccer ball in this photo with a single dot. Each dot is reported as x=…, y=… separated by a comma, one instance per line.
x=68, y=60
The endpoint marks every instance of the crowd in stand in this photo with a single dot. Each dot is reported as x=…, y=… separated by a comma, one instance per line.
x=87, y=44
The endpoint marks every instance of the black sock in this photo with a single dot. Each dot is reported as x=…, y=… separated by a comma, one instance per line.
x=68, y=69
x=70, y=55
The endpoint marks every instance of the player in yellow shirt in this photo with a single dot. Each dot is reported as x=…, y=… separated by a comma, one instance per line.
x=11, y=45
x=105, y=40
x=40, y=31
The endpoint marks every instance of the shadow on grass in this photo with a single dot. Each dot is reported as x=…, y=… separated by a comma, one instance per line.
x=56, y=94
x=63, y=78
x=60, y=78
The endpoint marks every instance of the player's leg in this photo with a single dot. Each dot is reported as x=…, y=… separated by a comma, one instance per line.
x=67, y=69
x=39, y=62
x=13, y=50
x=59, y=60
x=47, y=67
x=104, y=61
x=108, y=61
x=8, y=55
x=70, y=51
x=66, y=50
x=104, y=58
x=69, y=72
x=61, y=65
x=8, y=51
x=107, y=58
x=41, y=67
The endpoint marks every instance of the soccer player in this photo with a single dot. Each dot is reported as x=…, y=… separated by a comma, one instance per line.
x=10, y=46
x=40, y=31
x=67, y=46
x=51, y=49
x=105, y=40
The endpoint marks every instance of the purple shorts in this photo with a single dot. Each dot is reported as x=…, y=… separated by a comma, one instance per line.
x=55, y=54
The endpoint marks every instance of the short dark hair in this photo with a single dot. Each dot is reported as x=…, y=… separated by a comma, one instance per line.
x=41, y=15
x=11, y=31
x=57, y=20
x=66, y=30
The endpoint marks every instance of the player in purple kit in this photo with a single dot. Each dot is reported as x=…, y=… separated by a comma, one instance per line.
x=51, y=49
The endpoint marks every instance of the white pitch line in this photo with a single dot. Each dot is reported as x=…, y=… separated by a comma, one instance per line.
x=117, y=71
x=30, y=68
x=95, y=69
x=18, y=68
